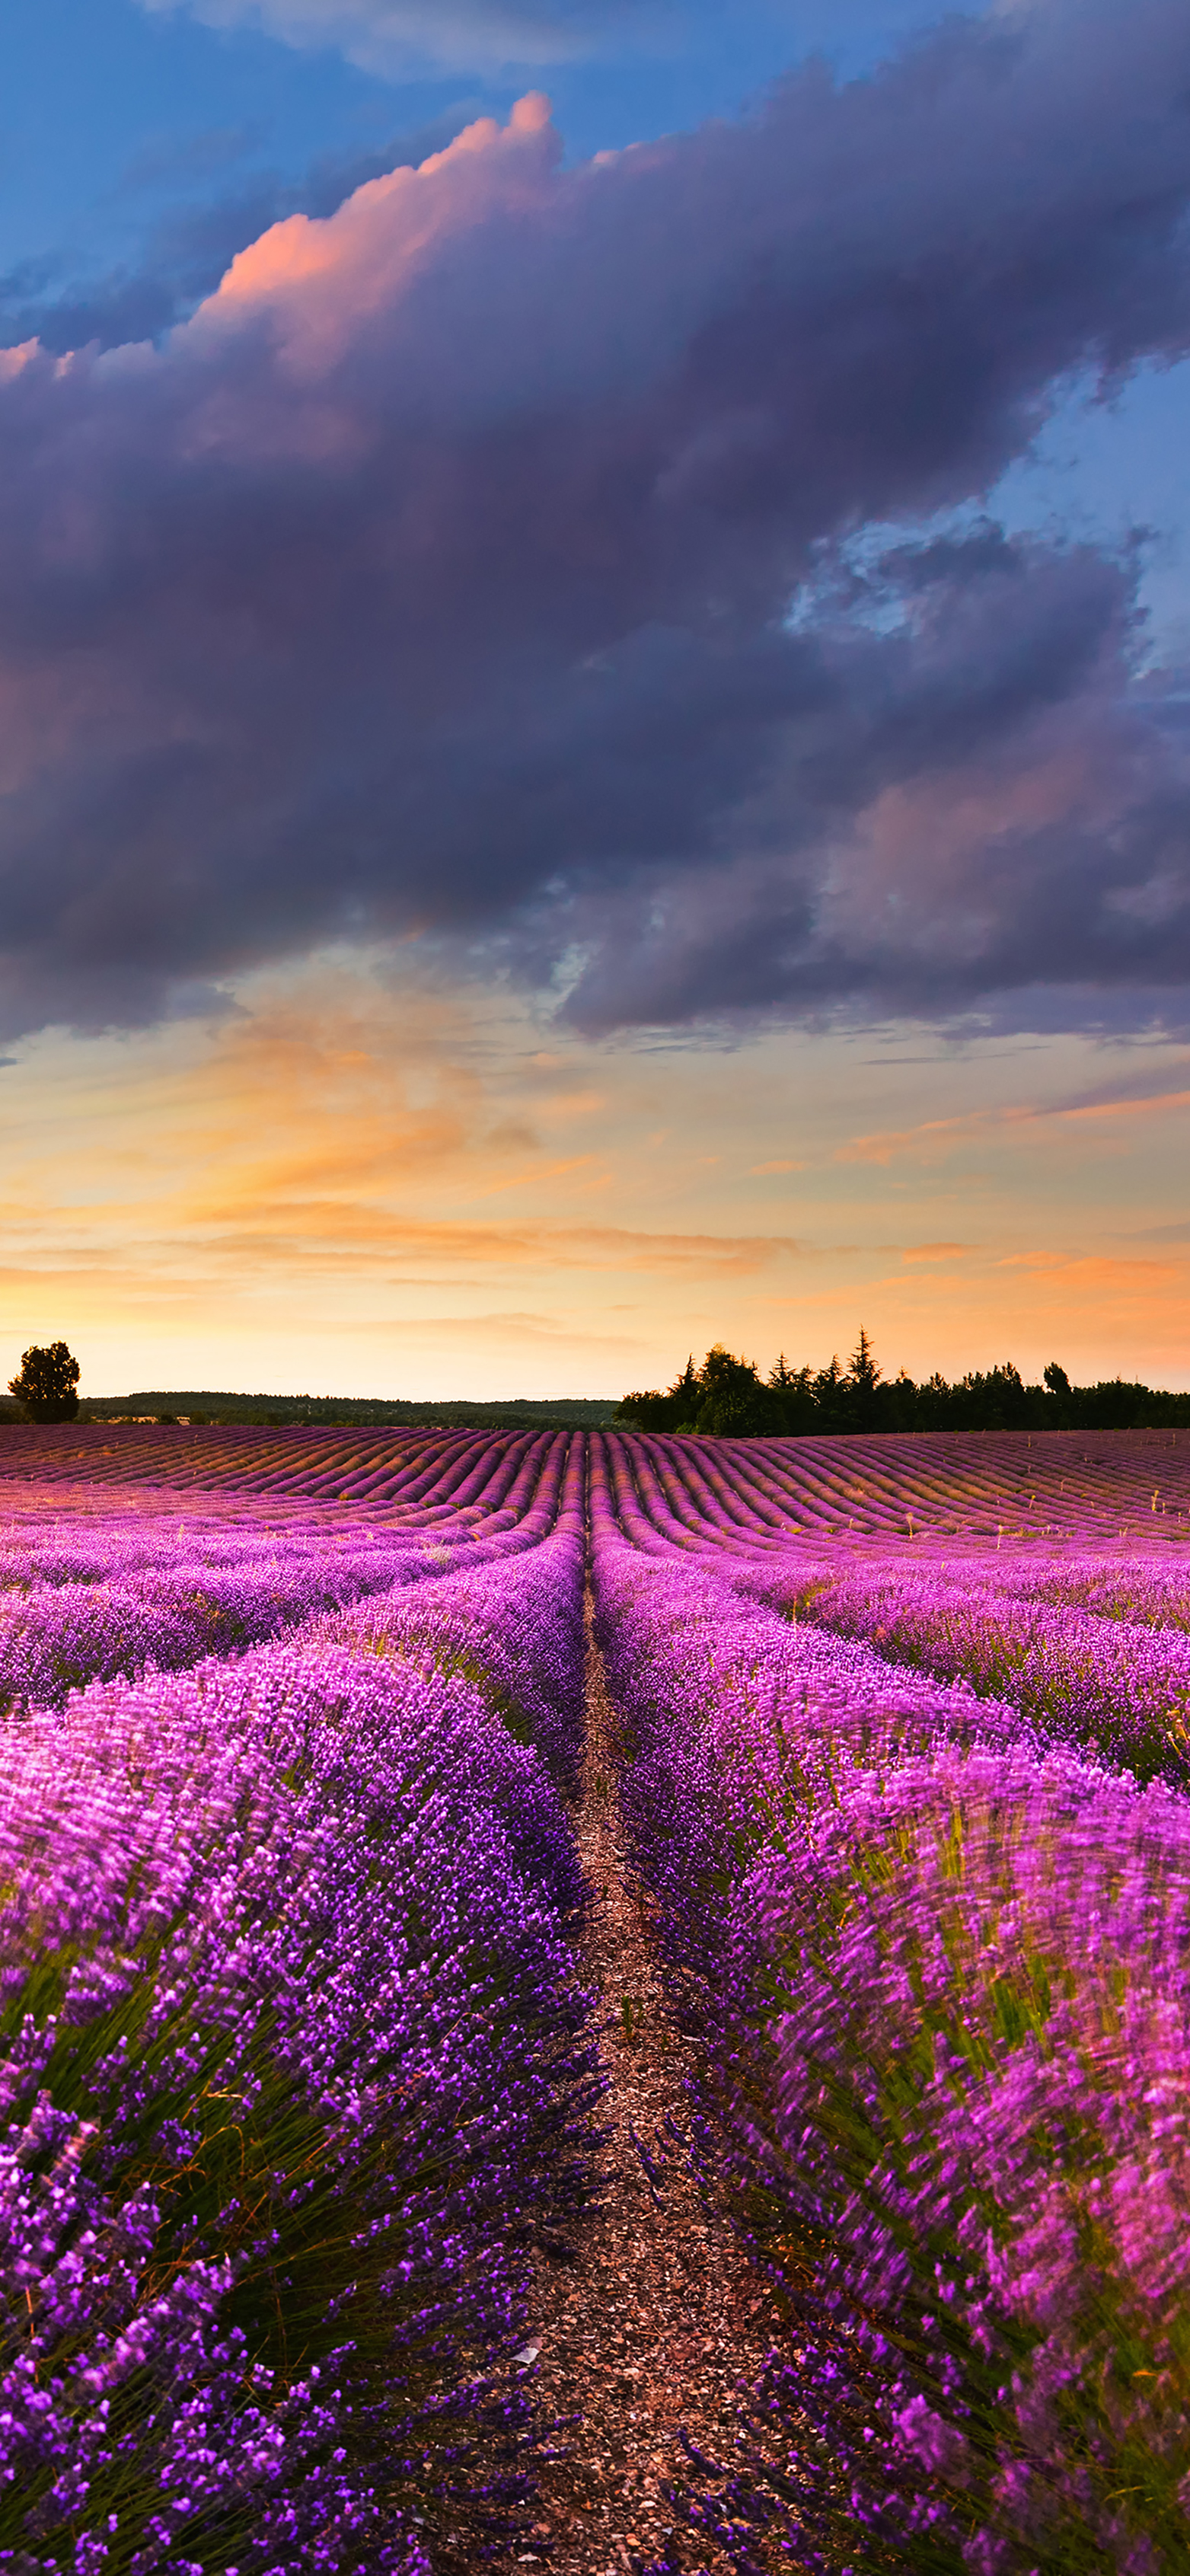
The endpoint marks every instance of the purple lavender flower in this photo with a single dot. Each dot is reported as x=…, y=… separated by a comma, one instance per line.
x=294, y=2062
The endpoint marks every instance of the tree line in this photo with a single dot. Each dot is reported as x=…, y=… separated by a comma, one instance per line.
x=45, y=1389
x=728, y=1399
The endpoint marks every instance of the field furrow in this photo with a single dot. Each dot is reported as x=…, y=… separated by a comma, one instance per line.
x=755, y=2030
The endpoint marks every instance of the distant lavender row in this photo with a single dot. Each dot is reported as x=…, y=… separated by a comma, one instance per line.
x=113, y=1599
x=1111, y=1684
x=422, y=1475
x=739, y=1722
x=460, y=1625
x=1067, y=1488
x=294, y=2067
x=942, y=1995
x=492, y=1493
x=1073, y=1488
x=56, y=1637
x=517, y=1634
x=1147, y=1590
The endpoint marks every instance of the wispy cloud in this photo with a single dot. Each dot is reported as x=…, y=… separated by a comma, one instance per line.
x=536, y=1173
x=295, y=1196
x=937, y=1135
x=1092, y=1270
x=394, y=37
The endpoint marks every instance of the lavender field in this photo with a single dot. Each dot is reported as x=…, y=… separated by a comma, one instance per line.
x=303, y=2069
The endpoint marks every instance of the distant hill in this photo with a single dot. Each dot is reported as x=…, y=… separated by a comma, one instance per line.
x=518, y=1412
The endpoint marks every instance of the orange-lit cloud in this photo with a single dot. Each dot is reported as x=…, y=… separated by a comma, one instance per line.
x=1093, y=1270
x=310, y=1193
x=938, y=1134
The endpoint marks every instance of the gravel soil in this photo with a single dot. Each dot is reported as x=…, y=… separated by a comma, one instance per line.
x=657, y=2319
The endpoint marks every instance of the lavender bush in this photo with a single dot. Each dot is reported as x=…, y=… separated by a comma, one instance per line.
x=971, y=2118
x=295, y=2064
x=296, y=2070
x=72, y=1614
x=1115, y=1685
x=935, y=1964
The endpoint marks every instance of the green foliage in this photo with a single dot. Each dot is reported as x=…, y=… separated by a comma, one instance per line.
x=728, y=1399
x=327, y=1412
x=47, y=1387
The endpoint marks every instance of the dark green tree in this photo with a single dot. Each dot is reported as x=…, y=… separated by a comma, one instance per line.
x=727, y=1398
x=933, y=1411
x=47, y=1387
x=791, y=1397
x=1059, y=1395
x=896, y=1405
x=992, y=1399
x=674, y=1410
x=863, y=1378
x=830, y=1393
x=684, y=1394
x=733, y=1402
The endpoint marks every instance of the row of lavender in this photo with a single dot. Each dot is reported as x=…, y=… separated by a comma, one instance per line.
x=1090, y=1650
x=973, y=1489
x=936, y=1950
x=296, y=2069
x=426, y=1474
x=84, y=1603
x=1095, y=1655
x=292, y=2026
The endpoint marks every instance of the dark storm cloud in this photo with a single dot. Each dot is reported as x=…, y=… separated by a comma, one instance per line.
x=485, y=561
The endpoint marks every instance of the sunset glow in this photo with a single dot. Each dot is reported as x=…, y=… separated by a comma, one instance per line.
x=593, y=695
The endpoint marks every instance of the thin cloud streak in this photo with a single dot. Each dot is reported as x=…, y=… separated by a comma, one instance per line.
x=882, y=1146
x=395, y=37
x=294, y=1198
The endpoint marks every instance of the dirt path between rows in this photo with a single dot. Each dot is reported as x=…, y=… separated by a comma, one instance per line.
x=659, y=2318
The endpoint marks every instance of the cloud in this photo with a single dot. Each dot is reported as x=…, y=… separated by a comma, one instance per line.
x=1093, y=1270
x=391, y=37
x=187, y=250
x=547, y=564
x=935, y=1135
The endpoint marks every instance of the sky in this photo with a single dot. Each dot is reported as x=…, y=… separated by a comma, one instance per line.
x=594, y=688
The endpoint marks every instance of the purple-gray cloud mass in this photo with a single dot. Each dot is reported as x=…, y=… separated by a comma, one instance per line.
x=499, y=559
x=190, y=246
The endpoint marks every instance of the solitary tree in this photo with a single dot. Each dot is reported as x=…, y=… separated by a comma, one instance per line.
x=47, y=1388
